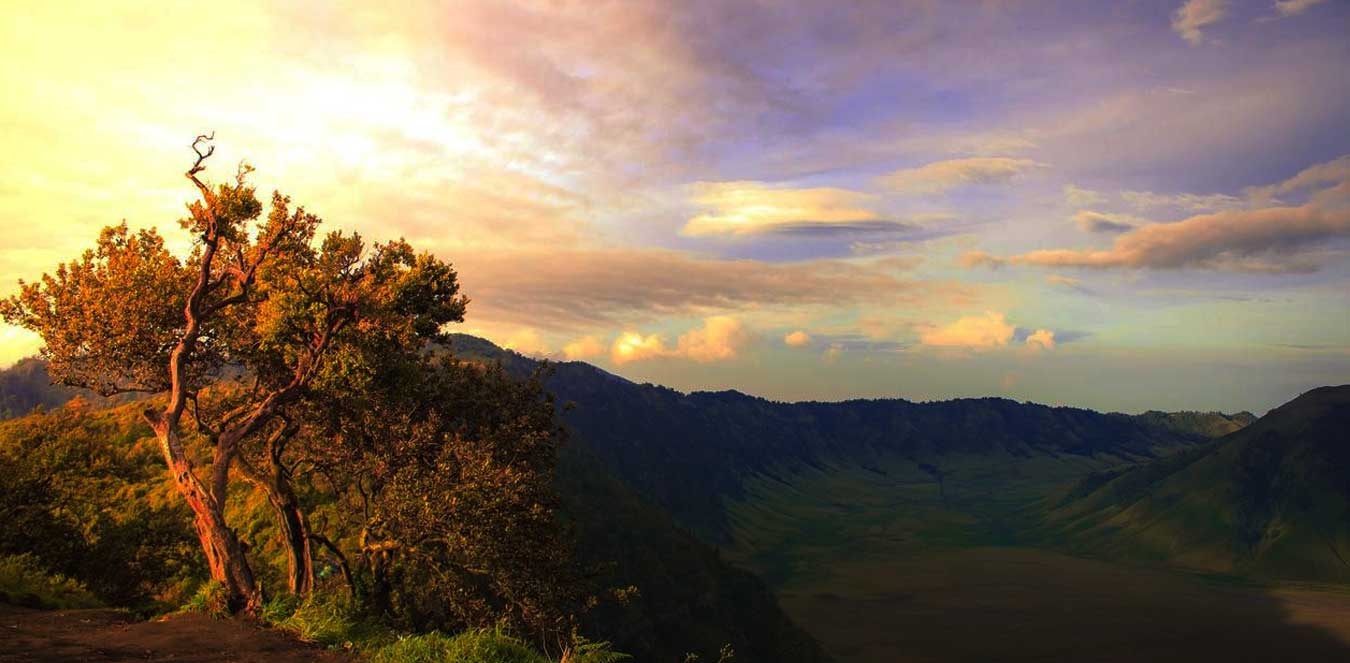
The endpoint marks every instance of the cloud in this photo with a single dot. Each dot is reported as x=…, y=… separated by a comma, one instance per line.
x=1279, y=239
x=1331, y=172
x=526, y=341
x=1079, y=197
x=632, y=346
x=586, y=347
x=941, y=176
x=744, y=208
x=1295, y=7
x=832, y=354
x=1041, y=339
x=1234, y=240
x=1061, y=280
x=1196, y=14
x=1187, y=201
x=797, y=339
x=581, y=290
x=1104, y=222
x=719, y=339
x=974, y=332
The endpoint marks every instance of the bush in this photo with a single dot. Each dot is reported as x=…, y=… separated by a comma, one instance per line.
x=210, y=599
x=23, y=581
x=477, y=646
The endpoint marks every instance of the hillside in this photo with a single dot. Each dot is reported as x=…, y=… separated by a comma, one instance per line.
x=105, y=462
x=698, y=454
x=1270, y=500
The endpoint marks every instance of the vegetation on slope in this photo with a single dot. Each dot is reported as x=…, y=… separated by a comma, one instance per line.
x=1271, y=500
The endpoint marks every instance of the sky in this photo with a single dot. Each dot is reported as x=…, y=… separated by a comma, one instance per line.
x=1117, y=205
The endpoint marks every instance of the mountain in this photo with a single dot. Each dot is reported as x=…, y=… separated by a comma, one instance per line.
x=1269, y=500
x=25, y=386
x=697, y=454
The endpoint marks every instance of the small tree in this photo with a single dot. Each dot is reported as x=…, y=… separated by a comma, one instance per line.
x=257, y=300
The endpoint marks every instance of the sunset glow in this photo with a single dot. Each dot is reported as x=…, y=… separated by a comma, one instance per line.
x=909, y=199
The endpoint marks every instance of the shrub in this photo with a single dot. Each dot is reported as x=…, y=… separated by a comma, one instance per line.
x=477, y=646
x=23, y=581
x=210, y=599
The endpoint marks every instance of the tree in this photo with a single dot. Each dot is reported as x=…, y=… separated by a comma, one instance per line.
x=446, y=469
x=256, y=301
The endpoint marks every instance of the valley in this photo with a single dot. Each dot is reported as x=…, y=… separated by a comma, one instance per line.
x=889, y=567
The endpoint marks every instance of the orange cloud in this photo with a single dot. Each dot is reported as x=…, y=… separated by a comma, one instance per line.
x=580, y=290
x=797, y=339
x=1233, y=240
x=632, y=346
x=526, y=341
x=975, y=332
x=720, y=338
x=586, y=347
x=1041, y=339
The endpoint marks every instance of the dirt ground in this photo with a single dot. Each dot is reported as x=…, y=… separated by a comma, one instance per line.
x=77, y=636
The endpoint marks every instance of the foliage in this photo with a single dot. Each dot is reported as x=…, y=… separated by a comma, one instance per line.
x=265, y=299
x=210, y=599
x=450, y=496
x=475, y=646
x=81, y=492
x=23, y=581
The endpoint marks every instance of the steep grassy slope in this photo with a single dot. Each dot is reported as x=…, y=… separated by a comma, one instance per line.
x=1272, y=499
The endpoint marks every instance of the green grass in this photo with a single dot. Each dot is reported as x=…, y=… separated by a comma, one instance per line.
x=480, y=646
x=26, y=583
x=333, y=622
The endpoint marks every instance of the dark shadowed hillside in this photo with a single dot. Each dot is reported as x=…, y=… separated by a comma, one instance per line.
x=1272, y=499
x=25, y=386
x=691, y=453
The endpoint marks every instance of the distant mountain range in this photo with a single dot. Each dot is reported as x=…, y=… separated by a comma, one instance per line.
x=693, y=453
x=1270, y=500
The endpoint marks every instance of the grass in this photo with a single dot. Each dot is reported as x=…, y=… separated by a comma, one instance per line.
x=24, y=582
x=479, y=646
x=333, y=622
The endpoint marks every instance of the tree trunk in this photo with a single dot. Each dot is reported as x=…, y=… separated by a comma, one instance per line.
x=224, y=553
x=295, y=536
x=291, y=525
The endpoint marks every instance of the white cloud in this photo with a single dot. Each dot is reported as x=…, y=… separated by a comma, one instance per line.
x=1079, y=197
x=1295, y=7
x=1196, y=14
x=941, y=176
x=1186, y=201
x=744, y=208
